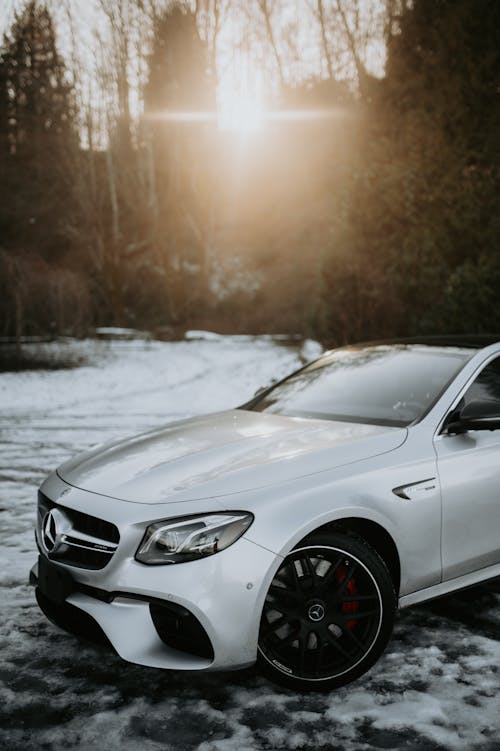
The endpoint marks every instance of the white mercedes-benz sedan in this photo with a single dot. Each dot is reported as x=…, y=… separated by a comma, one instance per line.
x=289, y=530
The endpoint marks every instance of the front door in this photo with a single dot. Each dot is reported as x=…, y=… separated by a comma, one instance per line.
x=469, y=472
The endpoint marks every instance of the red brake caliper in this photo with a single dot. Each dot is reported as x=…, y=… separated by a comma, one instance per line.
x=353, y=605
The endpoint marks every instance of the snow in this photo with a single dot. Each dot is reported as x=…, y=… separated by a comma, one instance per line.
x=117, y=332
x=310, y=350
x=200, y=335
x=437, y=686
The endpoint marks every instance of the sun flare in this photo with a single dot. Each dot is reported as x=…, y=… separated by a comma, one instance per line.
x=240, y=103
x=240, y=113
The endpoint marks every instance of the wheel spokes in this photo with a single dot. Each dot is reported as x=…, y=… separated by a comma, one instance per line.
x=310, y=571
x=347, y=578
x=292, y=636
x=275, y=625
x=358, y=598
x=307, y=579
x=328, y=578
x=295, y=577
x=320, y=650
x=302, y=652
x=334, y=642
x=358, y=616
x=283, y=599
x=352, y=636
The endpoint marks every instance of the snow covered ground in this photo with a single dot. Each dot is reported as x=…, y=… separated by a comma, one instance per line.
x=437, y=687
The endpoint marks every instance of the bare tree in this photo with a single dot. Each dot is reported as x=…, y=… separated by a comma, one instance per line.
x=121, y=17
x=267, y=11
x=210, y=16
x=352, y=43
x=324, y=38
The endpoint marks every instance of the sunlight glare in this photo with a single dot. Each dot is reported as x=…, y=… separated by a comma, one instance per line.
x=240, y=106
x=240, y=113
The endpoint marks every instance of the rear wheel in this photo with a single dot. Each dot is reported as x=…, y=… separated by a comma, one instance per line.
x=328, y=614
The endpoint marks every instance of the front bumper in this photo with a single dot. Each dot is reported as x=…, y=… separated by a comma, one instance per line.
x=225, y=596
x=224, y=592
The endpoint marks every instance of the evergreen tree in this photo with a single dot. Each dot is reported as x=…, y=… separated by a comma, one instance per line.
x=443, y=78
x=177, y=66
x=178, y=89
x=422, y=209
x=39, y=106
x=38, y=134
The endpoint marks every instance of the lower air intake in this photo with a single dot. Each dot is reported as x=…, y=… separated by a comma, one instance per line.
x=179, y=629
x=72, y=619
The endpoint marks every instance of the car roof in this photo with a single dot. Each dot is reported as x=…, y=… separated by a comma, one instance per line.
x=462, y=341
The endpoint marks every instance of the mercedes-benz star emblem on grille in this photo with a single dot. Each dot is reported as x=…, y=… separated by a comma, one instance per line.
x=55, y=525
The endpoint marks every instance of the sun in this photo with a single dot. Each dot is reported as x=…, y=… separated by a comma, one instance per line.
x=240, y=106
x=240, y=112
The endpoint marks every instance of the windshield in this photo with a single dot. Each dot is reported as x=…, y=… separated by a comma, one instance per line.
x=382, y=385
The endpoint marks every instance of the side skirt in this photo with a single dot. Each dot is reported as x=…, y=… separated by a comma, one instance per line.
x=451, y=585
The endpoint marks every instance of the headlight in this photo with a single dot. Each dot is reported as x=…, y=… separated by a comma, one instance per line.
x=190, y=537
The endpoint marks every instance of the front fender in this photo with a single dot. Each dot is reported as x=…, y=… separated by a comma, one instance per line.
x=295, y=510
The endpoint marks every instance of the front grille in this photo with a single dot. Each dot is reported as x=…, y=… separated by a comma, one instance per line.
x=88, y=542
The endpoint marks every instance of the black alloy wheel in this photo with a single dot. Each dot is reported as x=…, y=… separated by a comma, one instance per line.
x=328, y=613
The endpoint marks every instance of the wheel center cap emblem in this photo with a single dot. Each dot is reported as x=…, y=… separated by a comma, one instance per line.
x=316, y=612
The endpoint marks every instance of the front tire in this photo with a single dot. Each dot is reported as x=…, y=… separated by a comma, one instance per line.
x=328, y=614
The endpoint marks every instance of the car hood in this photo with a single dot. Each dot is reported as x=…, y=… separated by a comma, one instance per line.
x=223, y=453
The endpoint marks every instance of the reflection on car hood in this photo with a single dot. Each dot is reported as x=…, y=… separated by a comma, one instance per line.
x=223, y=453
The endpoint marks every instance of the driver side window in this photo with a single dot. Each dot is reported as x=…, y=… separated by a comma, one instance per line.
x=486, y=387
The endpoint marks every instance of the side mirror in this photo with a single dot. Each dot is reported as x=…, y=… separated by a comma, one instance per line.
x=479, y=414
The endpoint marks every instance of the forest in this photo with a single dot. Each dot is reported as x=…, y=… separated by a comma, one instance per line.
x=328, y=168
